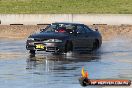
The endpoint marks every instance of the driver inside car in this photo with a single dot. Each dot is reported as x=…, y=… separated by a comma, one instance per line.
x=61, y=29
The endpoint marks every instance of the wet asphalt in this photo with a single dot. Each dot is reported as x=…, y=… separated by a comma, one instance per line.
x=18, y=69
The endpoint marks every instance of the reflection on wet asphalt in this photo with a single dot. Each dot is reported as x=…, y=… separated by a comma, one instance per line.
x=20, y=70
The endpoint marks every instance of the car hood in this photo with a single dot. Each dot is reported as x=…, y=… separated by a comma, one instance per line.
x=49, y=35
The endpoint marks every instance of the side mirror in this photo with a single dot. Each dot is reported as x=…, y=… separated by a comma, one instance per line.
x=96, y=29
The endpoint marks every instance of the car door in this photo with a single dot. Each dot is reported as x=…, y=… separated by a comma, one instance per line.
x=90, y=37
x=81, y=40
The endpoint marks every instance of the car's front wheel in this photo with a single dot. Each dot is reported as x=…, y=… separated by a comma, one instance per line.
x=32, y=52
x=68, y=47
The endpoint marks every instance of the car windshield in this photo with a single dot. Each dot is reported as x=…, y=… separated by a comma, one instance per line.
x=63, y=28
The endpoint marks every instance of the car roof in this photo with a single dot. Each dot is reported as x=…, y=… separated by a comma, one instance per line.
x=67, y=23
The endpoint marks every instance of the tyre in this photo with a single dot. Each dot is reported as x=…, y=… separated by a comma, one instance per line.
x=68, y=47
x=95, y=45
x=32, y=52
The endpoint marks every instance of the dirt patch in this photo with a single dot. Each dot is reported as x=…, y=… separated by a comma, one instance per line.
x=18, y=31
x=114, y=31
x=23, y=31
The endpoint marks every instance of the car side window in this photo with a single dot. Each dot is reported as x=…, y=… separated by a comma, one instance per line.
x=80, y=29
x=87, y=29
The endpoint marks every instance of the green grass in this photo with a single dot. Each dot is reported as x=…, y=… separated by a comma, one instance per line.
x=66, y=6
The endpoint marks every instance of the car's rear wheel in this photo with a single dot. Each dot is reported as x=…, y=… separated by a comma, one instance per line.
x=68, y=47
x=95, y=45
x=32, y=52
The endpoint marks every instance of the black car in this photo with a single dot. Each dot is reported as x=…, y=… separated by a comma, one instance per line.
x=64, y=37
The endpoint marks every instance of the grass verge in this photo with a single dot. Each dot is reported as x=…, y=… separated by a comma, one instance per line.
x=65, y=6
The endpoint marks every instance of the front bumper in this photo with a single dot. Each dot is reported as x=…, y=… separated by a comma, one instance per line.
x=48, y=47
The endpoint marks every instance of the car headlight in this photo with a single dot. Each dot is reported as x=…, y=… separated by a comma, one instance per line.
x=57, y=40
x=30, y=39
x=53, y=40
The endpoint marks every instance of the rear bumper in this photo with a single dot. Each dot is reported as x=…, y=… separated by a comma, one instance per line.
x=48, y=47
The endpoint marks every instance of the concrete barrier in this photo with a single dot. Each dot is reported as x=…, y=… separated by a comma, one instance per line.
x=34, y=19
